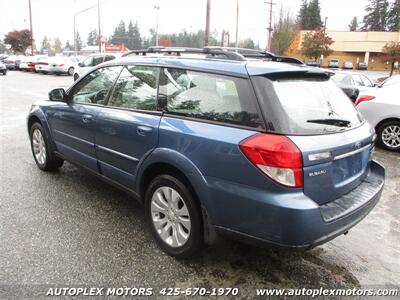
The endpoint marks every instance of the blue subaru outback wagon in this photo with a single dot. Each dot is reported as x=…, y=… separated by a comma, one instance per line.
x=214, y=143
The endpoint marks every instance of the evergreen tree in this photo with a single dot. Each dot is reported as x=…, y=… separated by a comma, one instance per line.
x=393, y=22
x=78, y=42
x=68, y=46
x=310, y=15
x=93, y=39
x=302, y=14
x=377, y=16
x=314, y=13
x=45, y=46
x=134, y=39
x=119, y=36
x=57, y=46
x=353, y=24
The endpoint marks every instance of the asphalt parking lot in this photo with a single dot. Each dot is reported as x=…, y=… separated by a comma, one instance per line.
x=69, y=228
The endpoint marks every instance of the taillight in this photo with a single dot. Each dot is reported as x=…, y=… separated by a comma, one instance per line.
x=363, y=98
x=61, y=65
x=276, y=156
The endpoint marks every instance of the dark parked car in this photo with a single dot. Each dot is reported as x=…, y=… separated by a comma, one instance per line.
x=313, y=64
x=362, y=66
x=265, y=152
x=3, y=69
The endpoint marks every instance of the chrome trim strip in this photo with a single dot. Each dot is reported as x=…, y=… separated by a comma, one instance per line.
x=351, y=153
x=117, y=153
x=75, y=138
x=319, y=156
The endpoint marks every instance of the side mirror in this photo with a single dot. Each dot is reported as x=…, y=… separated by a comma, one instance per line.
x=58, y=95
x=80, y=64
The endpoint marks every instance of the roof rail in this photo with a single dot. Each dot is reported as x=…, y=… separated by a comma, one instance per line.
x=254, y=53
x=218, y=53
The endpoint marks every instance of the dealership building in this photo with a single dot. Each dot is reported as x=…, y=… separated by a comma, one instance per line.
x=351, y=46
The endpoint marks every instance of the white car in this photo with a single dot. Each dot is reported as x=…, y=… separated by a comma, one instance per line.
x=93, y=60
x=63, y=65
x=381, y=108
x=42, y=65
x=23, y=65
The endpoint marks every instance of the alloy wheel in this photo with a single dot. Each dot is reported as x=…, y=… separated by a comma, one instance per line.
x=39, y=147
x=170, y=216
x=391, y=136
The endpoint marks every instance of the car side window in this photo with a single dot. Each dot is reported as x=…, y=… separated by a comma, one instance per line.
x=97, y=60
x=210, y=97
x=88, y=61
x=94, y=87
x=136, y=88
x=366, y=81
x=109, y=57
x=357, y=80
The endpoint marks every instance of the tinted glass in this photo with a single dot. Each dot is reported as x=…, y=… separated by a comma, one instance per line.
x=109, y=57
x=97, y=60
x=136, y=88
x=210, y=97
x=298, y=106
x=95, y=86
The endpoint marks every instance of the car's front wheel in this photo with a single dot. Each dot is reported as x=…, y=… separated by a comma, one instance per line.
x=389, y=135
x=174, y=216
x=71, y=71
x=76, y=76
x=40, y=150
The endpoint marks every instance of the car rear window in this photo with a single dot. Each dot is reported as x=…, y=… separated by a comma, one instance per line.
x=306, y=106
x=210, y=97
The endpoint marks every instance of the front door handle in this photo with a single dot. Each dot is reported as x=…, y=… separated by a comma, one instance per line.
x=144, y=130
x=87, y=118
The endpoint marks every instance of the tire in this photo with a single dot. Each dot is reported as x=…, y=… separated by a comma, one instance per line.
x=389, y=135
x=184, y=234
x=71, y=71
x=76, y=76
x=40, y=150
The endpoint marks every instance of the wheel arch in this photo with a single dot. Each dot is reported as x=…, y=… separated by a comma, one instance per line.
x=37, y=116
x=171, y=162
x=385, y=121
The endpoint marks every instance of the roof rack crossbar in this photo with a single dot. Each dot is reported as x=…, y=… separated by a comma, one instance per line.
x=209, y=51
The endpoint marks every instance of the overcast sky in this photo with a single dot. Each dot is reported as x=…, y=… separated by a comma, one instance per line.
x=54, y=18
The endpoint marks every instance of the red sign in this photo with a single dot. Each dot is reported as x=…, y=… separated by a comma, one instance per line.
x=116, y=48
x=103, y=39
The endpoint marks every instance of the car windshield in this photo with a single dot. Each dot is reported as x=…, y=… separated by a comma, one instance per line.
x=395, y=79
x=308, y=106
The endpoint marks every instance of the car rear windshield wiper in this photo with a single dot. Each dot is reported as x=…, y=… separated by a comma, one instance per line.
x=334, y=122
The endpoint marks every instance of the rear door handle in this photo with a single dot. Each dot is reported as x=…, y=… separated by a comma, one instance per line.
x=144, y=130
x=87, y=118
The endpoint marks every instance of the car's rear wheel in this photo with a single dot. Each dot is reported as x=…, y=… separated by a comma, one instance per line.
x=40, y=150
x=389, y=135
x=71, y=71
x=174, y=216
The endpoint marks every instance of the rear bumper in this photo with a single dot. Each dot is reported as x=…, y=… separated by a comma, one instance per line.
x=294, y=220
x=57, y=70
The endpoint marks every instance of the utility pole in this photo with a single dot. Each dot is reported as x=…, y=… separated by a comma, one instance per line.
x=270, y=24
x=323, y=41
x=30, y=21
x=157, y=8
x=98, y=19
x=207, y=35
x=237, y=24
